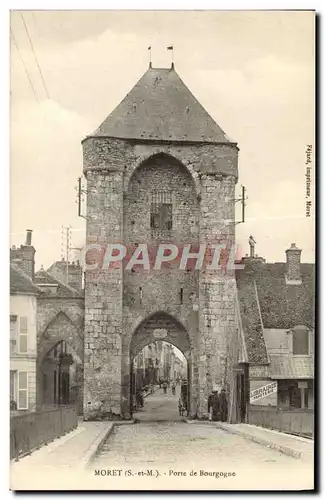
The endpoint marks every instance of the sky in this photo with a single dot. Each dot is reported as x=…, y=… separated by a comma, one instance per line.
x=253, y=72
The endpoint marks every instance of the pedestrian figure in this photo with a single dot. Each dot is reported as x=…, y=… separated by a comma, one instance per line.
x=214, y=405
x=165, y=387
x=139, y=398
x=173, y=388
x=223, y=405
x=180, y=406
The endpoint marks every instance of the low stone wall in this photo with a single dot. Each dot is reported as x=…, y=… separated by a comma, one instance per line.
x=299, y=422
x=29, y=431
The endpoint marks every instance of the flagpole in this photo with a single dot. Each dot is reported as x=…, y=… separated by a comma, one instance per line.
x=171, y=47
x=149, y=50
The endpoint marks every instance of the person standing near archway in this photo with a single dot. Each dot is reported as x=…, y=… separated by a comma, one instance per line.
x=214, y=405
x=223, y=405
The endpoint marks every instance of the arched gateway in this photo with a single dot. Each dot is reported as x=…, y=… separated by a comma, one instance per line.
x=161, y=326
x=160, y=173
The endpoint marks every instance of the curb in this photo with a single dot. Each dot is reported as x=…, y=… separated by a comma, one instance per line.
x=99, y=441
x=286, y=450
x=96, y=445
x=291, y=452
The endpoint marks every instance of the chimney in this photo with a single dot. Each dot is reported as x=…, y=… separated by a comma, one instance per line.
x=293, y=263
x=25, y=255
x=28, y=237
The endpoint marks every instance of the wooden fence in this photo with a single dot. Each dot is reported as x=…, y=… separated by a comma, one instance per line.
x=292, y=421
x=29, y=431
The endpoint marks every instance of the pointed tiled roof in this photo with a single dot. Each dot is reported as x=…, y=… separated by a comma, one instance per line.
x=161, y=107
x=43, y=277
x=20, y=283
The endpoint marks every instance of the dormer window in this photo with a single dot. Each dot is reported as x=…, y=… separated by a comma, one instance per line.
x=300, y=341
x=49, y=288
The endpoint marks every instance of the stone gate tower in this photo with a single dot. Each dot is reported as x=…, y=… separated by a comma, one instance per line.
x=159, y=170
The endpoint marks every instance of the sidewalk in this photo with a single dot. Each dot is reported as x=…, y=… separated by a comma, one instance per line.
x=69, y=453
x=294, y=446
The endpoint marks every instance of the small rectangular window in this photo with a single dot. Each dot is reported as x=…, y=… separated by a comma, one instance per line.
x=161, y=216
x=22, y=390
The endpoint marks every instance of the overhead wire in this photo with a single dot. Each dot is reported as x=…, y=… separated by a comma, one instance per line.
x=24, y=65
x=35, y=56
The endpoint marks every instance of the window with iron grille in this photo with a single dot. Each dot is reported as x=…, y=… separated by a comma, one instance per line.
x=161, y=214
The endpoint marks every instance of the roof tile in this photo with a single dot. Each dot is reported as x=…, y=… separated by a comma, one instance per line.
x=161, y=107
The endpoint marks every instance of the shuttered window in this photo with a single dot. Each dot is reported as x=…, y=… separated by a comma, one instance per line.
x=22, y=390
x=23, y=335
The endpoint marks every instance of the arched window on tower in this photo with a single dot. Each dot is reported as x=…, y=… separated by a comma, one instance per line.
x=300, y=341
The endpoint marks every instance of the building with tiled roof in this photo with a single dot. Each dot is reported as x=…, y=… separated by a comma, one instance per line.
x=276, y=304
x=23, y=328
x=47, y=316
x=53, y=286
x=60, y=336
x=20, y=283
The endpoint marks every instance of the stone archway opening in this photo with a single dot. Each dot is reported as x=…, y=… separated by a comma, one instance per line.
x=148, y=343
x=160, y=389
x=60, y=375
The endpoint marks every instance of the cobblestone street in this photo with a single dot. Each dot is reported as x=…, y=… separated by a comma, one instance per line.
x=170, y=448
x=160, y=407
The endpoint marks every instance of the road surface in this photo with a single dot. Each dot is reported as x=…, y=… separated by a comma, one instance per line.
x=171, y=454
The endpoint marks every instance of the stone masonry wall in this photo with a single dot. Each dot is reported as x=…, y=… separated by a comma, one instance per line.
x=103, y=299
x=58, y=319
x=217, y=287
x=48, y=308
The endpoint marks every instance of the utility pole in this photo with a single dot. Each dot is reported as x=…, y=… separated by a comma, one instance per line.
x=81, y=191
x=242, y=200
x=66, y=247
